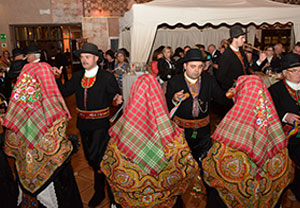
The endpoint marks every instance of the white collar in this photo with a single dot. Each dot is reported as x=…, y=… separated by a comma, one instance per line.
x=213, y=52
x=193, y=81
x=36, y=60
x=294, y=86
x=234, y=49
x=270, y=59
x=92, y=72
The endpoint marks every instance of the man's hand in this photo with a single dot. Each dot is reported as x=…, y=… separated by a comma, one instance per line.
x=291, y=117
x=57, y=71
x=262, y=56
x=118, y=99
x=230, y=93
x=179, y=95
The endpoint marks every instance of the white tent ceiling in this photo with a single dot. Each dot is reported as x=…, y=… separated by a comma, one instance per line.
x=143, y=19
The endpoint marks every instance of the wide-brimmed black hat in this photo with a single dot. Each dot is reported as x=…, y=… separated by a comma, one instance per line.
x=236, y=31
x=290, y=60
x=32, y=49
x=193, y=55
x=88, y=48
x=17, y=52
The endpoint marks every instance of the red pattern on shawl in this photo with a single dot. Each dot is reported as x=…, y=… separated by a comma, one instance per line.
x=52, y=106
x=143, y=116
x=239, y=129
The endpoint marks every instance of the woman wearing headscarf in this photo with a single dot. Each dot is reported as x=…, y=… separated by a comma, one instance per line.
x=36, y=121
x=147, y=162
x=248, y=165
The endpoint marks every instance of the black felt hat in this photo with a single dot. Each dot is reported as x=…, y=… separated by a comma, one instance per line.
x=32, y=49
x=88, y=48
x=194, y=55
x=236, y=31
x=290, y=60
x=17, y=52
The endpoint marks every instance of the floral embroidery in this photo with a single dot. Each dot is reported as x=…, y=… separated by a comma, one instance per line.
x=88, y=82
x=28, y=91
x=262, y=111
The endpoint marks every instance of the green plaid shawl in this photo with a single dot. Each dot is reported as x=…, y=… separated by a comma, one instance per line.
x=145, y=128
x=35, y=103
x=252, y=125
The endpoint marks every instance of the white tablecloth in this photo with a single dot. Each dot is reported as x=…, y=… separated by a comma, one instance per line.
x=126, y=85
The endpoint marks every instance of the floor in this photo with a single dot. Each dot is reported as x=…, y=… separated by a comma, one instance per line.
x=84, y=175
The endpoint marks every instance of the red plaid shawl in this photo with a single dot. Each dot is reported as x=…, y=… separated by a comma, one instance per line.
x=252, y=125
x=145, y=128
x=35, y=103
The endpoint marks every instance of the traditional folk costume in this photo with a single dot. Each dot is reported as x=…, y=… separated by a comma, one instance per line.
x=94, y=90
x=36, y=122
x=286, y=97
x=193, y=113
x=248, y=164
x=147, y=162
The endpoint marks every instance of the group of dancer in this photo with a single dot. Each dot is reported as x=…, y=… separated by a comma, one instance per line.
x=148, y=157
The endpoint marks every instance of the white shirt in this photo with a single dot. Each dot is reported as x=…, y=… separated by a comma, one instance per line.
x=37, y=60
x=92, y=72
x=235, y=49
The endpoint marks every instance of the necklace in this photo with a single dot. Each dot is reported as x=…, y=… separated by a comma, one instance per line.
x=206, y=106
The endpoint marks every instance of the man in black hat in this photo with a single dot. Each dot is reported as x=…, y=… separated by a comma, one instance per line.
x=195, y=90
x=286, y=97
x=233, y=63
x=14, y=70
x=33, y=54
x=95, y=90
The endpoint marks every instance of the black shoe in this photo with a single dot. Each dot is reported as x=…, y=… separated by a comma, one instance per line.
x=97, y=198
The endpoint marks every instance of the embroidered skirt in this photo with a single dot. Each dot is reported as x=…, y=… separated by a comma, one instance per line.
x=230, y=172
x=133, y=188
x=36, y=165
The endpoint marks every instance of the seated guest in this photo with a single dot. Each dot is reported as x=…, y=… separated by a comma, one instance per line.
x=285, y=94
x=272, y=62
x=147, y=161
x=248, y=165
x=296, y=48
x=251, y=57
x=5, y=61
x=157, y=54
x=36, y=122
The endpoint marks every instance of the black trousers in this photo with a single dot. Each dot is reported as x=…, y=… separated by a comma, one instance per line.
x=9, y=188
x=200, y=145
x=94, y=145
x=294, y=153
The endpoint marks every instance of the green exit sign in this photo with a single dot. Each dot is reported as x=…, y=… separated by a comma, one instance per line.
x=3, y=36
